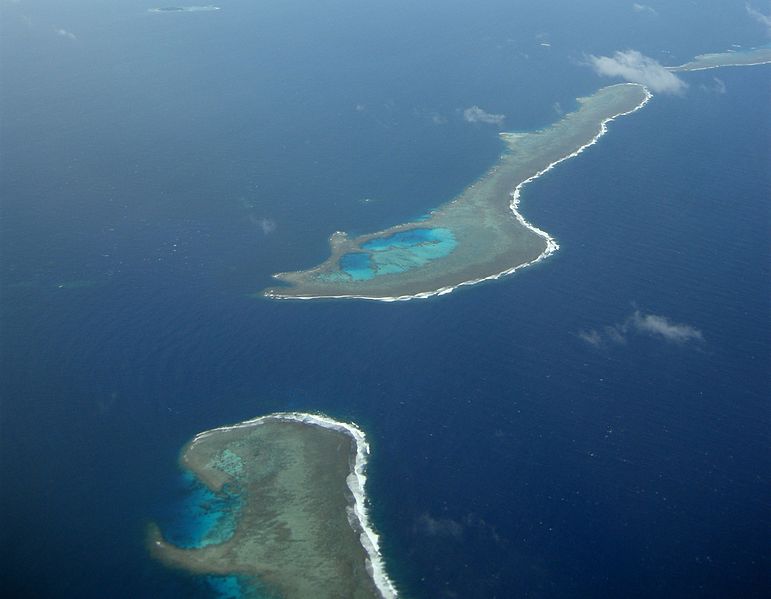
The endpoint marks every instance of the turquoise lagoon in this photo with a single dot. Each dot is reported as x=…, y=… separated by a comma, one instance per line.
x=201, y=517
x=395, y=254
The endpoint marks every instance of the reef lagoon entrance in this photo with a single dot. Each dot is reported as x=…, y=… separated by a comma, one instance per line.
x=287, y=516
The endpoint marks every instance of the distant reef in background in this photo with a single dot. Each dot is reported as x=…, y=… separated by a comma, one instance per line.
x=738, y=58
x=206, y=8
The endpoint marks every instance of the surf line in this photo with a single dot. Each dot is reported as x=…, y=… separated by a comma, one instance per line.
x=551, y=244
x=356, y=482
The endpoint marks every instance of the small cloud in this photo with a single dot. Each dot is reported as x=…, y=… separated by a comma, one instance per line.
x=760, y=17
x=644, y=8
x=360, y=108
x=434, y=527
x=437, y=118
x=446, y=529
x=592, y=337
x=635, y=67
x=662, y=327
x=64, y=33
x=615, y=335
x=266, y=225
x=558, y=108
x=717, y=87
x=641, y=324
x=476, y=115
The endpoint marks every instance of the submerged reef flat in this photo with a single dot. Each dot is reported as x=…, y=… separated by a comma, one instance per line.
x=477, y=236
x=301, y=528
x=741, y=58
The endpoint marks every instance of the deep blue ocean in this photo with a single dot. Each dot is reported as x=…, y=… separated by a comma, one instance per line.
x=156, y=169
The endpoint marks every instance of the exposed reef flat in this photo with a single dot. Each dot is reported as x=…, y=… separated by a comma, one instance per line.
x=740, y=58
x=302, y=529
x=206, y=8
x=479, y=235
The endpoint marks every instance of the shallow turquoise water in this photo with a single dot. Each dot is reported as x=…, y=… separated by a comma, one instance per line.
x=225, y=587
x=201, y=517
x=398, y=253
x=358, y=266
x=411, y=239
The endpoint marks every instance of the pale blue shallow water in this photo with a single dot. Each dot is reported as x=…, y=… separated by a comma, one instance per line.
x=396, y=253
x=170, y=163
x=358, y=266
x=409, y=239
x=200, y=517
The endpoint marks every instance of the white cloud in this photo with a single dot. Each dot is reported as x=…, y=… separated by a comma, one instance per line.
x=638, y=68
x=615, y=334
x=648, y=325
x=644, y=8
x=439, y=526
x=718, y=87
x=476, y=115
x=268, y=225
x=760, y=17
x=437, y=118
x=592, y=337
x=661, y=326
x=448, y=529
x=65, y=33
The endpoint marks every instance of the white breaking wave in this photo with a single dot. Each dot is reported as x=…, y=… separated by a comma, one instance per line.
x=551, y=243
x=356, y=482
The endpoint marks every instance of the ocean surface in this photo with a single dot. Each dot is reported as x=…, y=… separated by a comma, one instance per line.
x=531, y=437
